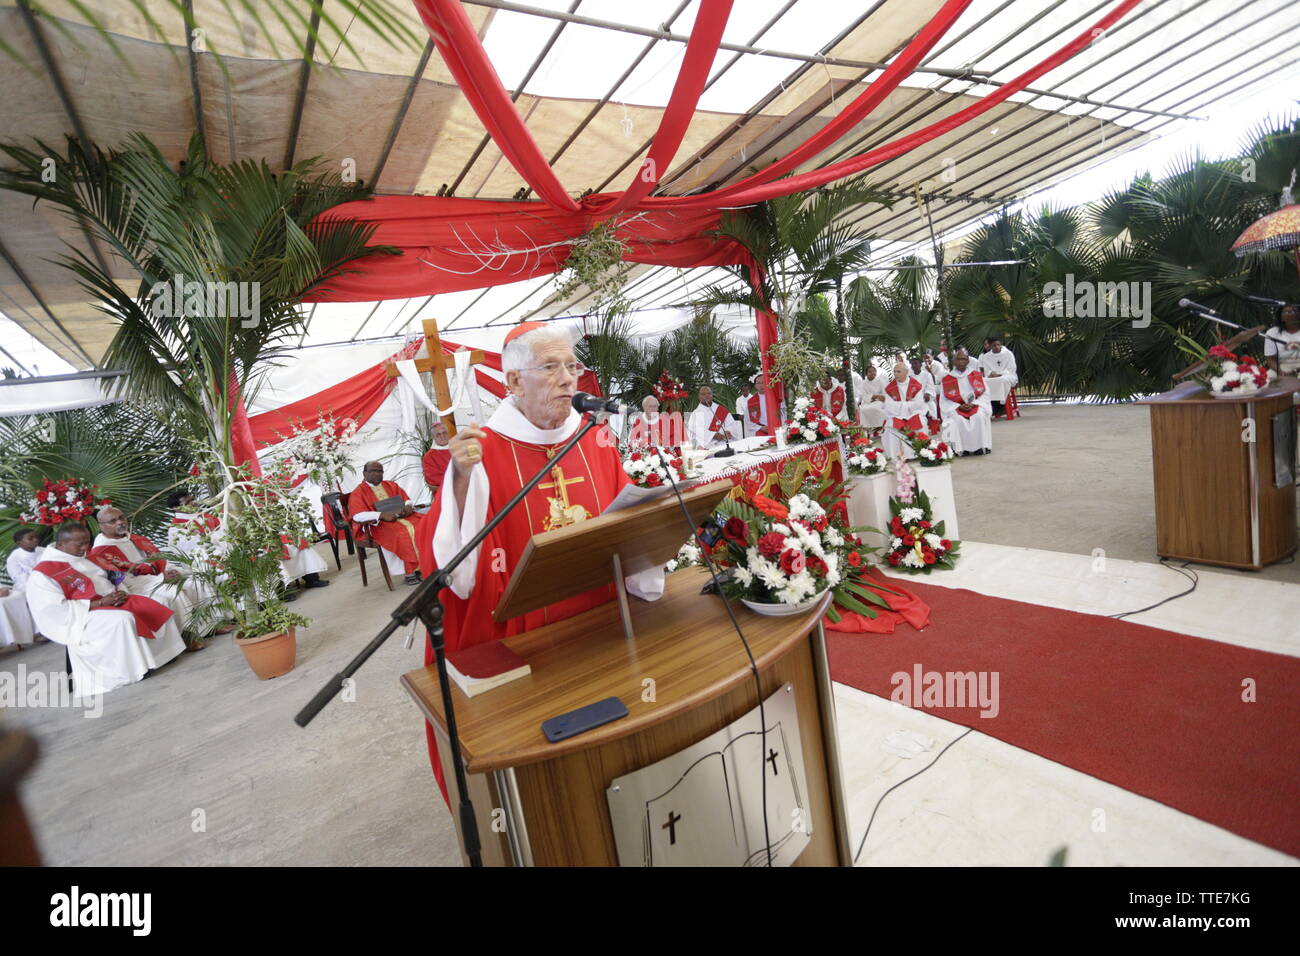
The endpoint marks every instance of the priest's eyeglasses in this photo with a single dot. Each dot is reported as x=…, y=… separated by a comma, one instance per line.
x=553, y=369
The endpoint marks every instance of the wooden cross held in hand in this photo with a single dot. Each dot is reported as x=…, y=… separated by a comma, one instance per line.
x=437, y=363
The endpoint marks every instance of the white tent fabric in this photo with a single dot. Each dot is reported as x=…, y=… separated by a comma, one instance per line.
x=36, y=396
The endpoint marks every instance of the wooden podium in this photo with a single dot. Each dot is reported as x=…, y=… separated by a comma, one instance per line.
x=1221, y=498
x=683, y=677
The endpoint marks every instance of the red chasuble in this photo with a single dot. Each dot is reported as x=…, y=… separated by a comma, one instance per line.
x=149, y=614
x=913, y=389
x=952, y=391
x=110, y=557
x=435, y=462
x=580, y=486
x=395, y=536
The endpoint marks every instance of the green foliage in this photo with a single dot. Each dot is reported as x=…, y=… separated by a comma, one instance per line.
x=124, y=449
x=595, y=266
x=209, y=224
x=1174, y=235
x=272, y=618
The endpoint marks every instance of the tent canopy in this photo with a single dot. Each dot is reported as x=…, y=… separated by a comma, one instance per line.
x=590, y=80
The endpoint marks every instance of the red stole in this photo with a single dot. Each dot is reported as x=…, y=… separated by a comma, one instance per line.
x=719, y=418
x=756, y=409
x=149, y=614
x=111, y=558
x=952, y=391
x=892, y=390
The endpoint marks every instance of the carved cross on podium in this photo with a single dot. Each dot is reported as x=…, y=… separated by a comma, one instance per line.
x=771, y=758
x=671, y=826
x=437, y=363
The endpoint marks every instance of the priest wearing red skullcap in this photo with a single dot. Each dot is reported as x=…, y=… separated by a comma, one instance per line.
x=490, y=464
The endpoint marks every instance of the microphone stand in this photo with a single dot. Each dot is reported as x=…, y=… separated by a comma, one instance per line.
x=423, y=603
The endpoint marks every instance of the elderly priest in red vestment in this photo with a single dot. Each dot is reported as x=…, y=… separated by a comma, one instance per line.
x=393, y=529
x=490, y=464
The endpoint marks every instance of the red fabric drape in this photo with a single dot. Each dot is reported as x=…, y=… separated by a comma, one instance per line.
x=736, y=196
x=451, y=244
x=469, y=63
x=242, y=442
x=702, y=47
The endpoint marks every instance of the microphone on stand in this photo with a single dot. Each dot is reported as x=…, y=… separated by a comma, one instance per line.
x=583, y=402
x=1262, y=299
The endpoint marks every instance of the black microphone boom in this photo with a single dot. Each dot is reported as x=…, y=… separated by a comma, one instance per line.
x=582, y=402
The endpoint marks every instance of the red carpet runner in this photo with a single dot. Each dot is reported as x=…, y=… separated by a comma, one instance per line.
x=1158, y=713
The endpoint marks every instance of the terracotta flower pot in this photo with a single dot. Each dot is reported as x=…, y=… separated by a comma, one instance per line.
x=270, y=655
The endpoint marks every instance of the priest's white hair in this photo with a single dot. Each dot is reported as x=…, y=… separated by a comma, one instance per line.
x=519, y=353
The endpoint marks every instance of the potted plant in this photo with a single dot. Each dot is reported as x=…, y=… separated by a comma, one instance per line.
x=237, y=560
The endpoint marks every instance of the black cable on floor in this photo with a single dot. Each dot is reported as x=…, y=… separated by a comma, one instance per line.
x=1181, y=569
x=896, y=786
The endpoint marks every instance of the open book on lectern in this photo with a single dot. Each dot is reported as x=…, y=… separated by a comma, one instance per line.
x=568, y=561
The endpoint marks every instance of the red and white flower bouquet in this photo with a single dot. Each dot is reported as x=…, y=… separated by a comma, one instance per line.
x=64, y=500
x=670, y=392
x=810, y=423
x=916, y=541
x=865, y=458
x=651, y=467
x=930, y=451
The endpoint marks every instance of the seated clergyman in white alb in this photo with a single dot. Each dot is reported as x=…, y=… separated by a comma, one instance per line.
x=999, y=368
x=966, y=407
x=145, y=568
x=904, y=411
x=871, y=398
x=113, y=637
x=710, y=424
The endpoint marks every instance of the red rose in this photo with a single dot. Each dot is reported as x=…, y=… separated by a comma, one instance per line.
x=896, y=525
x=770, y=544
x=792, y=561
x=925, y=524
x=928, y=557
x=636, y=456
x=820, y=523
x=908, y=540
x=894, y=559
x=817, y=566
x=945, y=544
x=653, y=480
x=736, y=531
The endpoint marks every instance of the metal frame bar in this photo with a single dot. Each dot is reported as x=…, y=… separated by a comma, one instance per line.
x=304, y=78
x=401, y=115
x=514, y=98
x=196, y=92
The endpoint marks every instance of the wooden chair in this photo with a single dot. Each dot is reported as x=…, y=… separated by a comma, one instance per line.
x=337, y=504
x=318, y=536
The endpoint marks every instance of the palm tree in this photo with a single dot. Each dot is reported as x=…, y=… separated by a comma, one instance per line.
x=125, y=450
x=804, y=245
x=897, y=313
x=225, y=229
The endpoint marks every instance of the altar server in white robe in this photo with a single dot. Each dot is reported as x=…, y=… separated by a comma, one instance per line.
x=16, y=627
x=967, y=411
x=24, y=557
x=113, y=638
x=904, y=410
x=999, y=368
x=871, y=399
x=711, y=424
x=147, y=571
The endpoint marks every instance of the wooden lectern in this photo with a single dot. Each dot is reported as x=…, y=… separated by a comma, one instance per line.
x=1221, y=497
x=684, y=676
